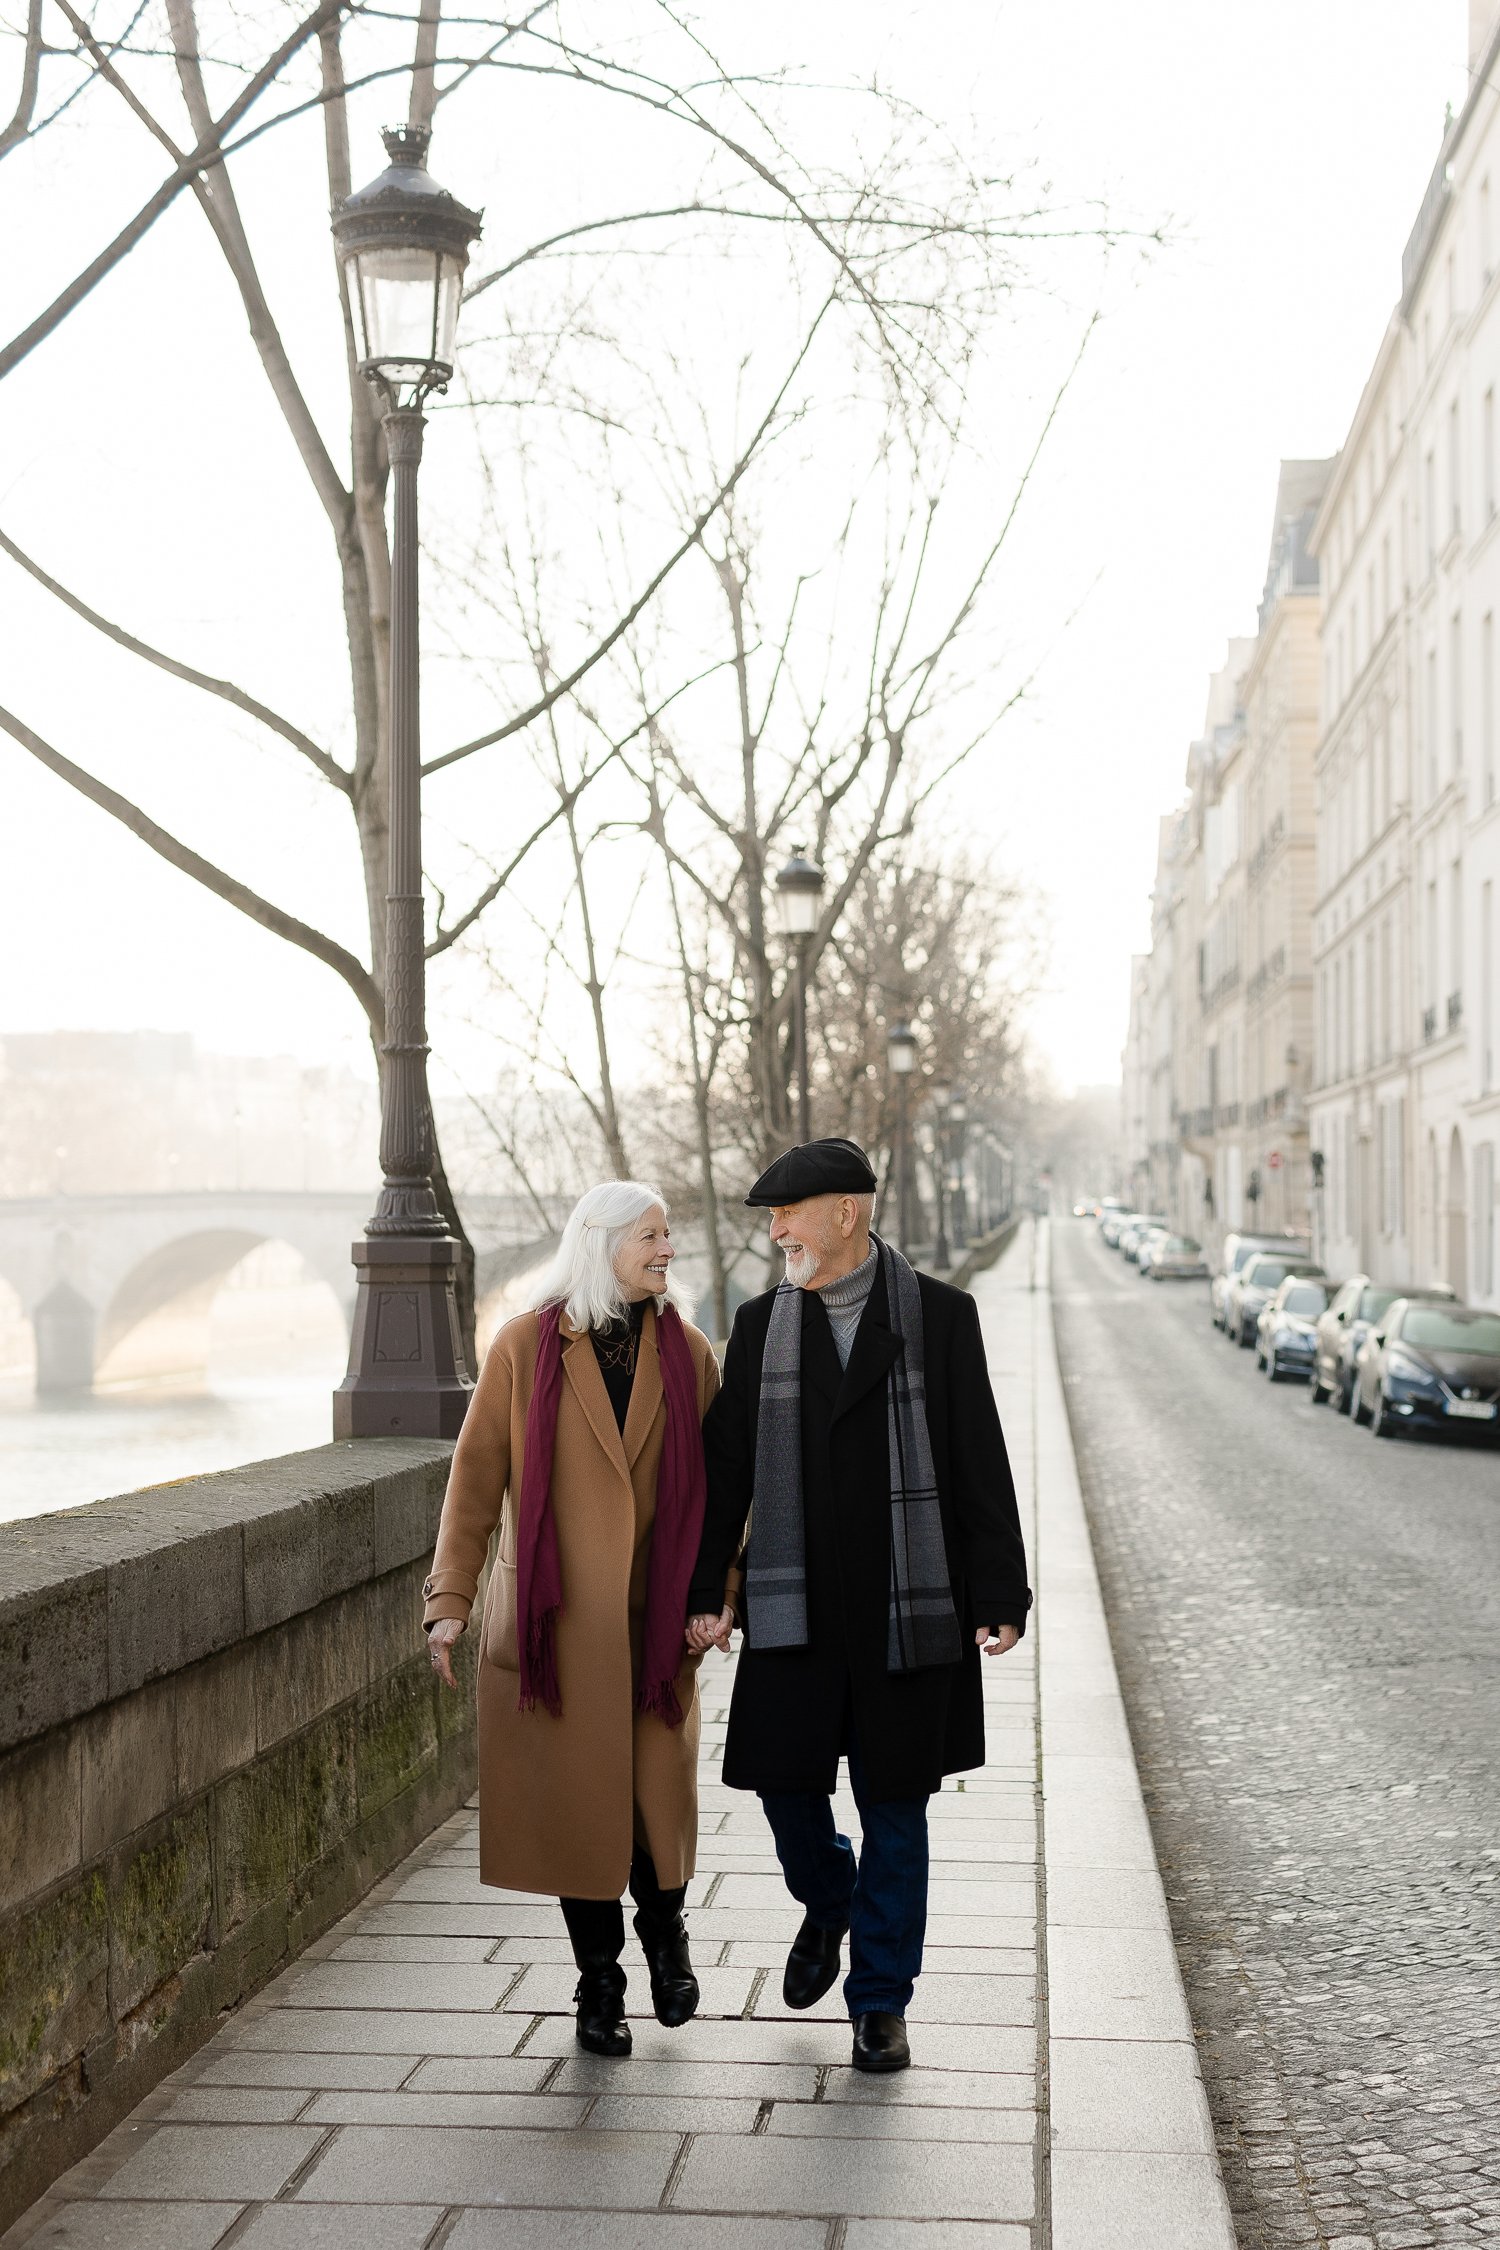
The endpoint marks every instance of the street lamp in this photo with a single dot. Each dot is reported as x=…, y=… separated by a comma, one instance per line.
x=799, y=898
x=941, y=1100
x=403, y=242
x=901, y=1058
x=958, y=1118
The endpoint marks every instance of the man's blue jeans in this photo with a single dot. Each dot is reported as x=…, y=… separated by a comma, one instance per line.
x=881, y=1899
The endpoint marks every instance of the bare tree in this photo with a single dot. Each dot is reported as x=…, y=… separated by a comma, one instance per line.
x=886, y=256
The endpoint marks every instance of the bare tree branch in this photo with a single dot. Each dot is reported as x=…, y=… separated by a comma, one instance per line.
x=622, y=624
x=182, y=856
x=328, y=767
x=83, y=284
x=31, y=71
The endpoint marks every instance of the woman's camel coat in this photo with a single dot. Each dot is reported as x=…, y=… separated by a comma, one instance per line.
x=562, y=1801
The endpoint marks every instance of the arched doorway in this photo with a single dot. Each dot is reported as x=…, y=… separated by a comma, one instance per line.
x=1457, y=1262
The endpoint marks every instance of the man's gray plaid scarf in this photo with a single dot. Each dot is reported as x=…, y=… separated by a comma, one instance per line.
x=922, y=1628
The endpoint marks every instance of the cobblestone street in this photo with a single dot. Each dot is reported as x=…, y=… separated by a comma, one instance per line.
x=1307, y=1627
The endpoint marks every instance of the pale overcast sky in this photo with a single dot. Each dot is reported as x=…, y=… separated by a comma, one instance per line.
x=1287, y=142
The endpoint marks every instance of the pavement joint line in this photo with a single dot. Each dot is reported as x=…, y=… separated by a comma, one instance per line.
x=678, y=2166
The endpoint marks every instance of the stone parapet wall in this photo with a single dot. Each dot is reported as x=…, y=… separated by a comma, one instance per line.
x=218, y=1727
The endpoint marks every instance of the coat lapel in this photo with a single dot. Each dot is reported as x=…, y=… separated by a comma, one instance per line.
x=876, y=1349
x=582, y=1371
x=821, y=1372
x=646, y=1392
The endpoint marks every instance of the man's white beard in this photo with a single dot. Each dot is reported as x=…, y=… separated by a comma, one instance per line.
x=801, y=1267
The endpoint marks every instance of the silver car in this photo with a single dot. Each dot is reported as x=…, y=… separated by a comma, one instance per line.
x=1236, y=1250
x=1176, y=1257
x=1257, y=1281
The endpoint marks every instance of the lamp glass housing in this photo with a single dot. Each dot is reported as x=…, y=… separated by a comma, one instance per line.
x=408, y=299
x=799, y=895
x=901, y=1050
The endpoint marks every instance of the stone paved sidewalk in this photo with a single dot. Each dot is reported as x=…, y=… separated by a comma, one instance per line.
x=414, y=2081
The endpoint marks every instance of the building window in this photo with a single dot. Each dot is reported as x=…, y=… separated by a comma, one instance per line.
x=1455, y=945
x=1487, y=703
x=1454, y=512
x=1432, y=723
x=1484, y=1219
x=1487, y=426
x=1456, y=687
x=1385, y=988
x=1486, y=987
x=1485, y=267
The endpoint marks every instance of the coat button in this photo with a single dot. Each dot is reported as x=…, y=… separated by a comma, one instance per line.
x=427, y=1586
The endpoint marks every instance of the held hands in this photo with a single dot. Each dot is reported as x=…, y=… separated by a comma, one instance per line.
x=440, y=1642
x=996, y=1640
x=704, y=1633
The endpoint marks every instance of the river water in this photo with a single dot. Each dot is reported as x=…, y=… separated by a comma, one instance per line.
x=274, y=1355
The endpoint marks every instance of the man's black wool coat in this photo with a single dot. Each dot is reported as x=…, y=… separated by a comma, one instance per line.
x=792, y=1708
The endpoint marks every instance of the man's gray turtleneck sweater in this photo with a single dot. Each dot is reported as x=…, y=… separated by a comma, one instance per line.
x=844, y=1301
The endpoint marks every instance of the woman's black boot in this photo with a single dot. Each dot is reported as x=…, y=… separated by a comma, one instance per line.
x=596, y=1928
x=600, y=1996
x=674, y=1988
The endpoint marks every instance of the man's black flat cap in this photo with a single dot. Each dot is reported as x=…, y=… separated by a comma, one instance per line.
x=817, y=1168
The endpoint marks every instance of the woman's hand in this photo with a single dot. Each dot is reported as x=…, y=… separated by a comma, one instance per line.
x=440, y=1640
x=996, y=1640
x=704, y=1633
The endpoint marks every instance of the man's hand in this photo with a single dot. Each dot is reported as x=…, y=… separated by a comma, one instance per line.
x=704, y=1633
x=996, y=1640
x=440, y=1642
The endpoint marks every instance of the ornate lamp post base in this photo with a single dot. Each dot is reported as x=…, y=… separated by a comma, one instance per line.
x=408, y=1376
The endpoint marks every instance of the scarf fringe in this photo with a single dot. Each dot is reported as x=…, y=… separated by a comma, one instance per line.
x=659, y=1701
x=541, y=1685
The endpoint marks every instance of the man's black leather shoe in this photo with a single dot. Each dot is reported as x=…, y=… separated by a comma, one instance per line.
x=674, y=1988
x=880, y=2042
x=600, y=1998
x=812, y=1966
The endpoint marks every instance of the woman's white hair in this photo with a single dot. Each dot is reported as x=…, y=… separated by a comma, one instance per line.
x=581, y=1278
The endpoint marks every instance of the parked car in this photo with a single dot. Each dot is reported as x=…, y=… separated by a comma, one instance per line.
x=1140, y=1223
x=1115, y=1217
x=1147, y=1245
x=1257, y=1280
x=1177, y=1257
x=1235, y=1251
x=1286, y=1334
x=1342, y=1331
x=1430, y=1366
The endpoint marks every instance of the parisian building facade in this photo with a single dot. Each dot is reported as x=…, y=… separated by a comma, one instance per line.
x=1317, y=1017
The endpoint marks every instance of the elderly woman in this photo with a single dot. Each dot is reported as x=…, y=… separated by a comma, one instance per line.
x=583, y=1443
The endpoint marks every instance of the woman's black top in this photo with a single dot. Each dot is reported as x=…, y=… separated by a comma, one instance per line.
x=616, y=1348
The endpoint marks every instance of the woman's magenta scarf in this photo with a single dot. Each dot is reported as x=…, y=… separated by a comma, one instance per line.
x=680, y=1493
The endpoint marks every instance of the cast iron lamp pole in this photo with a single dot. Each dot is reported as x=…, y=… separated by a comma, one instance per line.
x=901, y=1056
x=799, y=897
x=942, y=1257
x=958, y=1115
x=403, y=242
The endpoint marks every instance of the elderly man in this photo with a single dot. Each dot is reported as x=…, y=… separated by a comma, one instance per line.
x=884, y=1553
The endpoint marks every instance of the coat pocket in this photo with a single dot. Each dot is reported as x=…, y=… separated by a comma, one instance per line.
x=500, y=1645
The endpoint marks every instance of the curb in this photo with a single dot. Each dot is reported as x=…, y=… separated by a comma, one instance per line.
x=1132, y=2158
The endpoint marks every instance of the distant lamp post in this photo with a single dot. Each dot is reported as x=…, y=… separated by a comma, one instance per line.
x=901, y=1058
x=403, y=242
x=958, y=1118
x=799, y=902
x=942, y=1099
